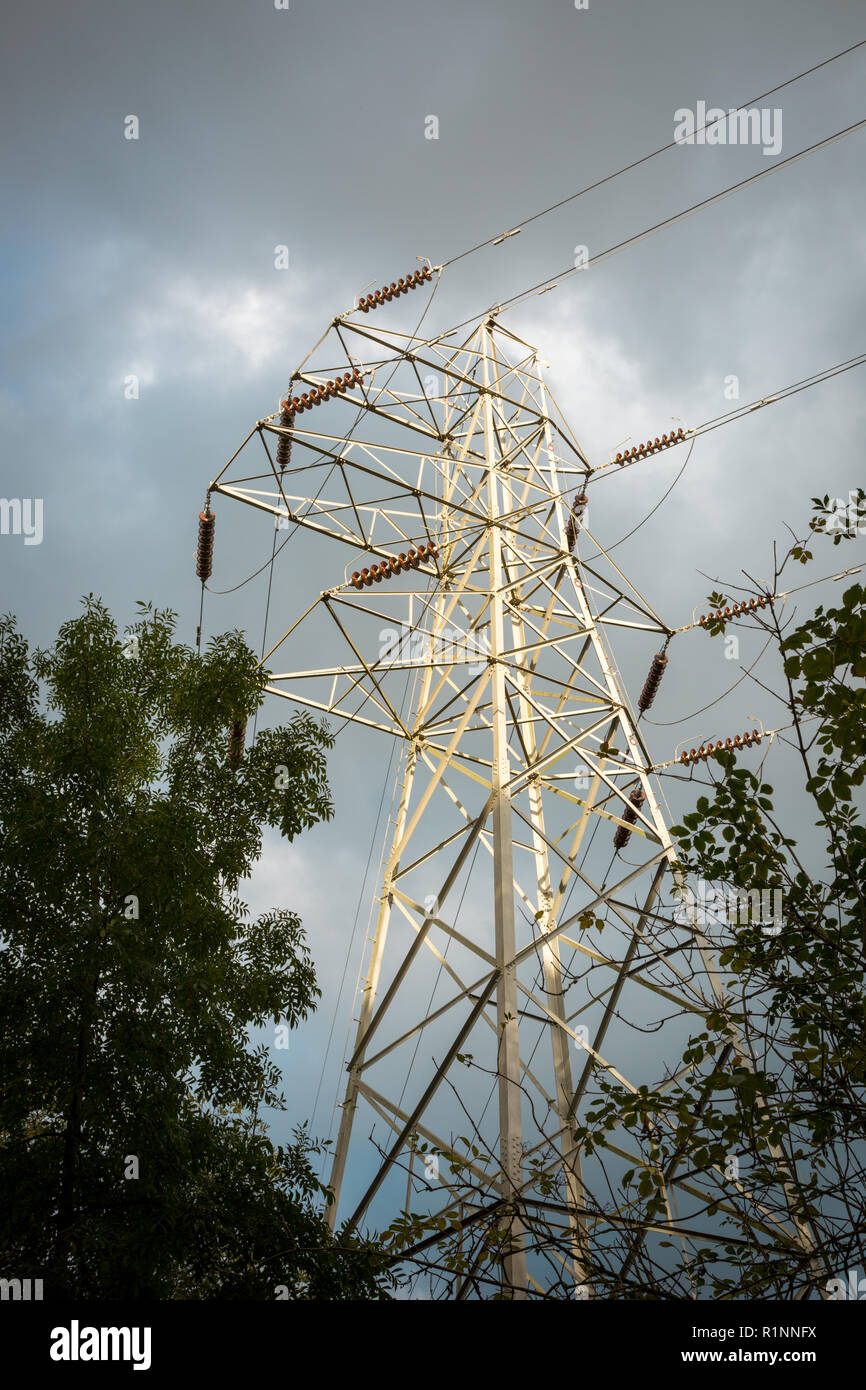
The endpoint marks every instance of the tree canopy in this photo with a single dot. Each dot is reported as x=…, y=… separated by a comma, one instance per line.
x=133, y=1162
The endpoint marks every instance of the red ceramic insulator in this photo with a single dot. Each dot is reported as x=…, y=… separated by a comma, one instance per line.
x=362, y=304
x=357, y=581
x=284, y=443
x=621, y=834
x=367, y=577
x=204, y=550
x=653, y=681
x=237, y=739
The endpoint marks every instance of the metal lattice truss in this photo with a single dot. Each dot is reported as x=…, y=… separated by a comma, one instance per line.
x=518, y=957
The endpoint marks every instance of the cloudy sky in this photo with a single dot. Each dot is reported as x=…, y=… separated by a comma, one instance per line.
x=258, y=127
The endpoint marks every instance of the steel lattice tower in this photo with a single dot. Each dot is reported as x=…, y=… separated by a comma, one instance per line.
x=523, y=771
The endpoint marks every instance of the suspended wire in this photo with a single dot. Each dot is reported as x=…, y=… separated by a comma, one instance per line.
x=684, y=718
x=438, y=976
x=265, y=624
x=855, y=361
x=277, y=548
x=815, y=380
x=361, y=895
x=739, y=413
x=200, y=617
x=551, y=281
x=636, y=163
x=608, y=548
x=373, y=838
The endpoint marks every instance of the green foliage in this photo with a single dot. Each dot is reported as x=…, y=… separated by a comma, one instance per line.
x=826, y=519
x=793, y=1113
x=131, y=972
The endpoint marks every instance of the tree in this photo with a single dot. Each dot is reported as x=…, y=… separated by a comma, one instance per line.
x=133, y=1163
x=756, y=1143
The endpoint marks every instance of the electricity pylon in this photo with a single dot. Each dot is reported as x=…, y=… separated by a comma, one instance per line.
x=476, y=581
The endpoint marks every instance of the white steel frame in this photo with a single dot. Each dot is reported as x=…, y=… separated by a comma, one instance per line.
x=506, y=633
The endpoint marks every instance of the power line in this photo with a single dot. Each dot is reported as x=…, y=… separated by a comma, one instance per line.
x=825, y=374
x=552, y=281
x=636, y=163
